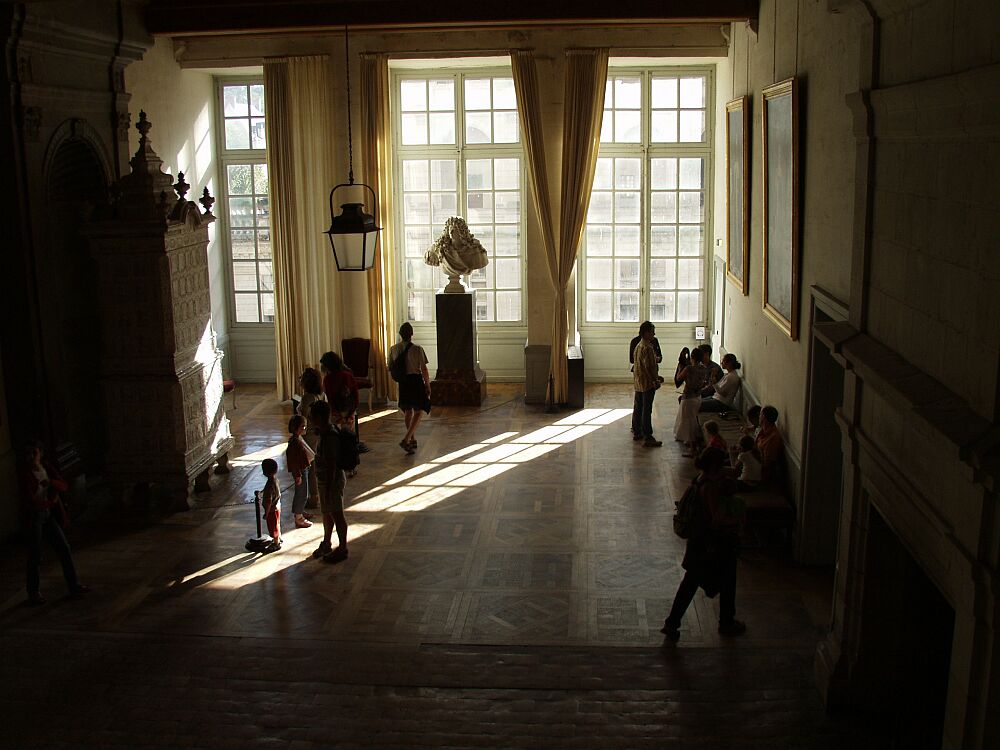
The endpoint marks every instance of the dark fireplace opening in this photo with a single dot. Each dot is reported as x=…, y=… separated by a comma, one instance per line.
x=906, y=638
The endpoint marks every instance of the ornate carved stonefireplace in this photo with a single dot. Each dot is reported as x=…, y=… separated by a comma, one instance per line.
x=162, y=376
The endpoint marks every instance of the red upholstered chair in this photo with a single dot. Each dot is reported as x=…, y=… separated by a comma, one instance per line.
x=357, y=356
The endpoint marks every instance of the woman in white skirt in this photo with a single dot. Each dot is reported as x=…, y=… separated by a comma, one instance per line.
x=686, y=427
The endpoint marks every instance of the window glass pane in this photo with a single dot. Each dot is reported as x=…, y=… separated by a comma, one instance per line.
x=690, y=241
x=598, y=273
x=260, y=184
x=508, y=273
x=663, y=240
x=662, y=274
x=235, y=101
x=480, y=208
x=689, y=273
x=627, y=274
x=418, y=274
x=663, y=208
x=503, y=93
x=628, y=93
x=664, y=126
x=626, y=307
x=241, y=244
x=508, y=174
x=505, y=127
x=627, y=206
x=237, y=134
x=690, y=208
x=664, y=174
x=507, y=240
x=264, y=244
x=690, y=174
x=481, y=278
x=442, y=127
x=484, y=305
x=414, y=129
x=600, y=208
x=628, y=174
x=628, y=127
x=241, y=212
x=245, y=276
x=664, y=93
x=262, y=211
x=420, y=305
x=602, y=175
x=257, y=100
x=417, y=241
x=443, y=175
x=598, y=240
x=478, y=128
x=607, y=127
x=479, y=174
x=508, y=207
x=443, y=207
x=692, y=127
x=477, y=93
x=416, y=175
x=442, y=95
x=661, y=307
x=508, y=306
x=240, y=181
x=688, y=307
x=259, y=135
x=266, y=277
x=417, y=208
x=413, y=96
x=484, y=233
x=627, y=241
x=247, y=310
x=599, y=306
x=693, y=92
x=267, y=307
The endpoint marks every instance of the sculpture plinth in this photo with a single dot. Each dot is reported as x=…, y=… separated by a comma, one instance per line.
x=458, y=381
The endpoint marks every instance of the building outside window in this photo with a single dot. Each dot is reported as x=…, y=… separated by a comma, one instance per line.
x=644, y=246
x=245, y=199
x=458, y=153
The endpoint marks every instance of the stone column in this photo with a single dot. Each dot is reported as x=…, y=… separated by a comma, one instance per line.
x=458, y=381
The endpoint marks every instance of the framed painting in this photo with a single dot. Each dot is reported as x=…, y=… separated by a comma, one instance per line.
x=779, y=112
x=738, y=192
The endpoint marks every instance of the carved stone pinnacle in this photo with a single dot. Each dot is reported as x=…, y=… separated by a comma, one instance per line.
x=207, y=201
x=143, y=126
x=181, y=187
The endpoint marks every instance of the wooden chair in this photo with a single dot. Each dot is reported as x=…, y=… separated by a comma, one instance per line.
x=357, y=354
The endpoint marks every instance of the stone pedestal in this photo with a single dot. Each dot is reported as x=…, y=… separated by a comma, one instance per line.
x=458, y=381
x=161, y=368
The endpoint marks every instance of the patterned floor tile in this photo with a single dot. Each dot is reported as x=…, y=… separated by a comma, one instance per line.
x=525, y=570
x=524, y=618
x=421, y=570
x=639, y=570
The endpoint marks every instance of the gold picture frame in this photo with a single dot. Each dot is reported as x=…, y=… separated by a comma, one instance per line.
x=738, y=192
x=780, y=212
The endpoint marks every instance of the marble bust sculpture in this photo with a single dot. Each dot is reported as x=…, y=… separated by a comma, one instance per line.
x=458, y=252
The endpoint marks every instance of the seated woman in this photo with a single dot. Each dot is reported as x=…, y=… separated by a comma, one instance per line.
x=725, y=388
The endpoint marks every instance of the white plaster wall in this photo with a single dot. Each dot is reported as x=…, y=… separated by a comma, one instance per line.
x=820, y=48
x=180, y=105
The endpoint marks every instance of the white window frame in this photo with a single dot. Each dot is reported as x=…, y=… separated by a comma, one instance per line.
x=646, y=151
x=226, y=158
x=461, y=152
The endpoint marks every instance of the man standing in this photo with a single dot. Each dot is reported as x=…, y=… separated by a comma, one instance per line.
x=645, y=375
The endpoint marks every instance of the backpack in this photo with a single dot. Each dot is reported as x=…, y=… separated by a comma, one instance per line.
x=348, y=456
x=397, y=368
x=690, y=518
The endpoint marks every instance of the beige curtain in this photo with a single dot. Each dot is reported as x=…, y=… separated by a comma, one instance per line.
x=377, y=150
x=586, y=75
x=298, y=103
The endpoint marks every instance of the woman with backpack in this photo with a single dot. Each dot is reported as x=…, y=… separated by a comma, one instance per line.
x=711, y=526
x=408, y=367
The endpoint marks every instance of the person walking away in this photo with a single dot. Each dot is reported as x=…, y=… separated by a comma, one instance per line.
x=332, y=481
x=646, y=380
x=299, y=458
x=686, y=427
x=43, y=516
x=414, y=388
x=712, y=549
